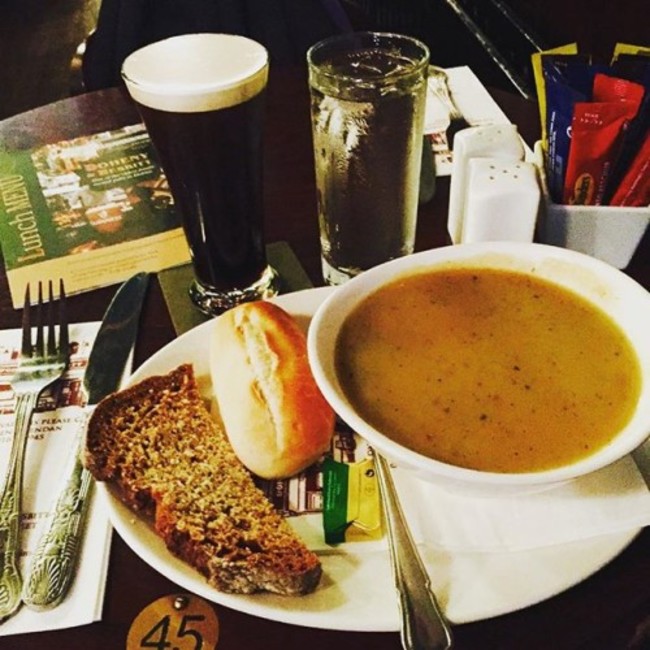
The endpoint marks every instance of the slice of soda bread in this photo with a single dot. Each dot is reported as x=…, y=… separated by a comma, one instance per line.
x=167, y=458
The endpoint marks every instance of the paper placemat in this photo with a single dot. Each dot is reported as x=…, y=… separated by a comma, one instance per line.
x=175, y=282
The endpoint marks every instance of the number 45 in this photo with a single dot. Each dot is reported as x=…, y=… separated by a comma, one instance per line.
x=159, y=635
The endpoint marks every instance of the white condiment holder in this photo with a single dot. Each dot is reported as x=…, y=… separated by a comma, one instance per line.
x=609, y=233
x=481, y=206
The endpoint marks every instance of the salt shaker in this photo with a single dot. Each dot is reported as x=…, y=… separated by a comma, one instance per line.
x=502, y=201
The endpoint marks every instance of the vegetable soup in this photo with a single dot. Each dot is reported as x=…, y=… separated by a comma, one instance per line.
x=488, y=369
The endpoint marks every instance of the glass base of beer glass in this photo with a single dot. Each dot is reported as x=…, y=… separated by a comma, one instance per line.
x=212, y=302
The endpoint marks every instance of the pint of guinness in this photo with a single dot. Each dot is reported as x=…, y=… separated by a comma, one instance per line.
x=201, y=97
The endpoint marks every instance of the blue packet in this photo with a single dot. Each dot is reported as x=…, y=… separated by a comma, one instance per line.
x=575, y=70
x=560, y=100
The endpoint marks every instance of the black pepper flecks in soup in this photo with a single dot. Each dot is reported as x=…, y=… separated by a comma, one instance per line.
x=488, y=369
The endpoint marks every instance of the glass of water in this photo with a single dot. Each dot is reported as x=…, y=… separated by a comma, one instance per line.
x=368, y=95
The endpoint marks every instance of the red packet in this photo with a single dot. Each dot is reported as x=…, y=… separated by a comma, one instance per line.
x=614, y=89
x=637, y=69
x=596, y=132
x=634, y=190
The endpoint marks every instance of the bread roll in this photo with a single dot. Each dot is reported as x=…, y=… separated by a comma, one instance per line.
x=275, y=416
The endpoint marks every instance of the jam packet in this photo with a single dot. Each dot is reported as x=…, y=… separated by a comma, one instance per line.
x=634, y=188
x=597, y=130
x=635, y=68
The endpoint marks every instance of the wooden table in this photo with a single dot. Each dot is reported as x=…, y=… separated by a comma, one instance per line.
x=608, y=611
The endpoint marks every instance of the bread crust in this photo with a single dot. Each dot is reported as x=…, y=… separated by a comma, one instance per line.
x=167, y=458
x=274, y=414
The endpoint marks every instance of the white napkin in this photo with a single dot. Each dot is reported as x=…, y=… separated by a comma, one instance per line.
x=51, y=440
x=612, y=500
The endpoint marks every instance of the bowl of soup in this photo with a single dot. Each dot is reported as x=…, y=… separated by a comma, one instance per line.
x=491, y=366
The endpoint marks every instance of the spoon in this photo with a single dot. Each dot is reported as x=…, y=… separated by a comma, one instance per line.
x=439, y=84
x=423, y=626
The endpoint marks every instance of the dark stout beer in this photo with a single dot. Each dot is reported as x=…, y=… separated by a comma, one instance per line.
x=201, y=97
x=212, y=160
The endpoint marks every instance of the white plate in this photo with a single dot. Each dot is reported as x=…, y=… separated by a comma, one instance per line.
x=356, y=592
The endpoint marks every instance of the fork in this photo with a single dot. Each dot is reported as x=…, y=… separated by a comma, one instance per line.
x=439, y=85
x=38, y=366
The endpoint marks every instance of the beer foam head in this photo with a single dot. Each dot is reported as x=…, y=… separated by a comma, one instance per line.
x=196, y=72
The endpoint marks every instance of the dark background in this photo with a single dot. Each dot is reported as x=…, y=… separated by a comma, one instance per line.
x=39, y=38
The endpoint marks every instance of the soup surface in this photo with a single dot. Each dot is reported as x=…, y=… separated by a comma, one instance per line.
x=488, y=369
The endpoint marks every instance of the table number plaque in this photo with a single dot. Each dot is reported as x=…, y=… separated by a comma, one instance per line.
x=176, y=622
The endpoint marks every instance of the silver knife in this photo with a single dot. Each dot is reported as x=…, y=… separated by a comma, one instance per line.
x=54, y=562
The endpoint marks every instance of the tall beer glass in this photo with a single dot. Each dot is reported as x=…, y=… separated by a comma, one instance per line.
x=201, y=97
x=368, y=95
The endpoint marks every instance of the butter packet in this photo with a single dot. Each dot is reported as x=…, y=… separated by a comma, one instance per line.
x=351, y=501
x=340, y=490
